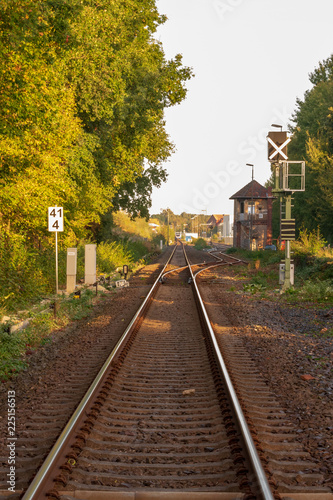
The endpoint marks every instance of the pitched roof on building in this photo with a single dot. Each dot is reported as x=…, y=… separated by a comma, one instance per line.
x=252, y=190
x=218, y=218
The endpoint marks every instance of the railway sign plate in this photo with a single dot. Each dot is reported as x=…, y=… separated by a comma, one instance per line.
x=277, y=146
x=287, y=229
x=122, y=284
x=56, y=219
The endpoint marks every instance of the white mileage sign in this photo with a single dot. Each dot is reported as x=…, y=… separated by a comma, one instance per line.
x=56, y=219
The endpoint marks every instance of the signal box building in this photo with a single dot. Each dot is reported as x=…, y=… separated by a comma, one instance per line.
x=252, y=216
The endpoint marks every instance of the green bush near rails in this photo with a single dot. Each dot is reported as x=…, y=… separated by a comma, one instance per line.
x=231, y=250
x=313, y=291
x=113, y=254
x=25, y=273
x=313, y=259
x=311, y=243
x=317, y=291
x=265, y=256
x=12, y=348
x=200, y=244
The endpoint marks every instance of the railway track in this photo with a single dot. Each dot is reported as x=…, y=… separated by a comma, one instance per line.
x=162, y=419
x=158, y=416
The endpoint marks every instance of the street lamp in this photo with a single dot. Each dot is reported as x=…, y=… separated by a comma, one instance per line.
x=203, y=211
x=192, y=218
x=251, y=212
x=168, y=227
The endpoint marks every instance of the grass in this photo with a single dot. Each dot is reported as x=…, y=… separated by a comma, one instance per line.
x=15, y=348
x=313, y=274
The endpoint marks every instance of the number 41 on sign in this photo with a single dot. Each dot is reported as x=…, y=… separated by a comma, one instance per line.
x=56, y=219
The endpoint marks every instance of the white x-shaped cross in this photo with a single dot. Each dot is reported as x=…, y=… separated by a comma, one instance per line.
x=278, y=149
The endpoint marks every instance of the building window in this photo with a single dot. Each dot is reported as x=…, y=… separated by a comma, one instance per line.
x=250, y=207
x=242, y=207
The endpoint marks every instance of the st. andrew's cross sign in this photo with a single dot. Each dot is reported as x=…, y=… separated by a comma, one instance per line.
x=277, y=146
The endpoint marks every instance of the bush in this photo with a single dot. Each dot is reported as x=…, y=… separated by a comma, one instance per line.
x=310, y=242
x=200, y=244
x=26, y=274
x=113, y=254
x=317, y=291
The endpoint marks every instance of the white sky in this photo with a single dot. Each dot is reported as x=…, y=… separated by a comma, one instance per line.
x=251, y=60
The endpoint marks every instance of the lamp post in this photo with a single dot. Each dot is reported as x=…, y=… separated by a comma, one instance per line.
x=251, y=211
x=192, y=218
x=203, y=211
x=168, y=227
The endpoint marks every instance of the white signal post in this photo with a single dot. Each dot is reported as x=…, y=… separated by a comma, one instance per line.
x=56, y=224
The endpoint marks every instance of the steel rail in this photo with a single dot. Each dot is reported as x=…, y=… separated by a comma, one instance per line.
x=35, y=488
x=228, y=256
x=185, y=267
x=209, y=264
x=252, y=451
x=233, y=258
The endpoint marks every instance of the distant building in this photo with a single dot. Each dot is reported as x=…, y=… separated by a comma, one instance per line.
x=252, y=216
x=190, y=236
x=219, y=224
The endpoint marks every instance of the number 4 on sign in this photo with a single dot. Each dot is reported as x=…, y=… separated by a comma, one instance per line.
x=56, y=219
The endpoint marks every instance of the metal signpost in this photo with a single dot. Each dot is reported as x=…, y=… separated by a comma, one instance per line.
x=56, y=224
x=289, y=177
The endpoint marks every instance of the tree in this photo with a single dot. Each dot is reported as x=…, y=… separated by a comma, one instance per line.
x=83, y=89
x=312, y=141
x=83, y=94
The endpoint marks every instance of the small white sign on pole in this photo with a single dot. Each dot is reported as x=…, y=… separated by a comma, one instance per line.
x=56, y=219
x=56, y=224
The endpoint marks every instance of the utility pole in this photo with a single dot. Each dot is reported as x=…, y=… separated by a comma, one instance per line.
x=168, y=227
x=252, y=209
x=203, y=211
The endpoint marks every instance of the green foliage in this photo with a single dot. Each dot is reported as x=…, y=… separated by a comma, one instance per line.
x=83, y=90
x=312, y=141
x=138, y=227
x=24, y=272
x=16, y=347
x=200, y=244
x=82, y=96
x=318, y=291
x=254, y=288
x=111, y=255
x=266, y=257
x=310, y=242
x=314, y=290
x=312, y=258
x=232, y=250
x=11, y=349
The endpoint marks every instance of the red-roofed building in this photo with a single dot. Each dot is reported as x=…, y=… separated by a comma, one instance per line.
x=219, y=224
x=253, y=216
